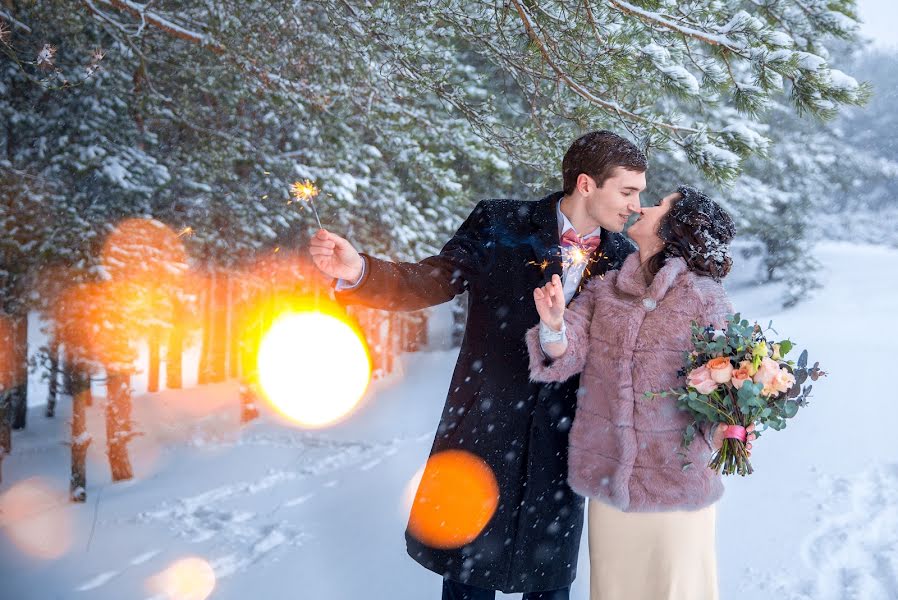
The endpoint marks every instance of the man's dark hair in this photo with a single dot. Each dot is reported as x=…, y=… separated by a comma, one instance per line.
x=597, y=154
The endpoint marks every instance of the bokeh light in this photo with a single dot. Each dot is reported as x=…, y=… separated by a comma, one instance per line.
x=190, y=578
x=313, y=367
x=456, y=499
x=34, y=518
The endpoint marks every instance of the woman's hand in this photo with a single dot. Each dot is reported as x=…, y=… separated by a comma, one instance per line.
x=549, y=300
x=720, y=432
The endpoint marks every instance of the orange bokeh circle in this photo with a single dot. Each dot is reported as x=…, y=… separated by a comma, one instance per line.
x=456, y=499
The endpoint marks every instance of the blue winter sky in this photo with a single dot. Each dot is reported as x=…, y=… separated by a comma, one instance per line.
x=879, y=19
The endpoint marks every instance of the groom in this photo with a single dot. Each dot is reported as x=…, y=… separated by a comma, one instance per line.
x=503, y=250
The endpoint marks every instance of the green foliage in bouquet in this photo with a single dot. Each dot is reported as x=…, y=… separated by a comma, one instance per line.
x=739, y=377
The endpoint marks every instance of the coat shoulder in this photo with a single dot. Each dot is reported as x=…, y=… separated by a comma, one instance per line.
x=706, y=288
x=709, y=294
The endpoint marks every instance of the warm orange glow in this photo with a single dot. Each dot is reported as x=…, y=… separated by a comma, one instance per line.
x=144, y=250
x=145, y=264
x=313, y=367
x=457, y=498
x=34, y=518
x=188, y=579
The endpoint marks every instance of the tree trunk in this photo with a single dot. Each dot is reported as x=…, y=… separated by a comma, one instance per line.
x=20, y=370
x=234, y=332
x=118, y=424
x=5, y=431
x=202, y=377
x=214, y=355
x=53, y=383
x=174, y=352
x=7, y=382
x=70, y=382
x=81, y=394
x=220, y=328
x=153, y=374
x=248, y=401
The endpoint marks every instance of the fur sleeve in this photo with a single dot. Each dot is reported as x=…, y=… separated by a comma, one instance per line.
x=577, y=319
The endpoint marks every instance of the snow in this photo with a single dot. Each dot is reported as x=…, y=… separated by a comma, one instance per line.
x=284, y=513
x=810, y=62
x=841, y=81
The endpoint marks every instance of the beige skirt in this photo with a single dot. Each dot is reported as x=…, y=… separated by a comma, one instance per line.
x=652, y=556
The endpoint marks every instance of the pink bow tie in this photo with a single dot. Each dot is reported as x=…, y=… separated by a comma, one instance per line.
x=570, y=238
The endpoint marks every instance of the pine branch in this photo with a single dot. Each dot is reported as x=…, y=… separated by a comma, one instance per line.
x=580, y=90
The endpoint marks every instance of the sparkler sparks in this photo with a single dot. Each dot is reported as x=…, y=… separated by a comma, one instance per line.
x=306, y=191
x=573, y=256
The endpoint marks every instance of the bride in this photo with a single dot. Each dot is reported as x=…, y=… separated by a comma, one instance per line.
x=651, y=502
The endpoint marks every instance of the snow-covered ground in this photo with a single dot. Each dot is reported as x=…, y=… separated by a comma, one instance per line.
x=283, y=513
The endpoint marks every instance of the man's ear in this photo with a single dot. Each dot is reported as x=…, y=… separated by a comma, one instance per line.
x=585, y=183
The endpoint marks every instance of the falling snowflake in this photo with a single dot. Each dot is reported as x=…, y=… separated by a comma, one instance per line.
x=95, y=58
x=45, y=56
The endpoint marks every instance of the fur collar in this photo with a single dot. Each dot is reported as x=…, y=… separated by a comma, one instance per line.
x=631, y=281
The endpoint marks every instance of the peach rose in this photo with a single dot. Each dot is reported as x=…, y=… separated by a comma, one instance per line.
x=783, y=381
x=749, y=366
x=767, y=371
x=700, y=379
x=721, y=369
x=741, y=375
x=775, y=379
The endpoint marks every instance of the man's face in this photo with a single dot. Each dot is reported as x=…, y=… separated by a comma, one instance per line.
x=612, y=204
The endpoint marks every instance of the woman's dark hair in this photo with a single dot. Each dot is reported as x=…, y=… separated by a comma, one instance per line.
x=597, y=154
x=699, y=231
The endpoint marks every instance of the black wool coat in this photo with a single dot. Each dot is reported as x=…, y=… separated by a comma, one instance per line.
x=502, y=251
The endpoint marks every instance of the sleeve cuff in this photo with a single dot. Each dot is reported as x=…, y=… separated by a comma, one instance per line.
x=343, y=285
x=549, y=336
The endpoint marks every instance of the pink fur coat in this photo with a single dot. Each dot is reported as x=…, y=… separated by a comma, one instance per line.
x=627, y=339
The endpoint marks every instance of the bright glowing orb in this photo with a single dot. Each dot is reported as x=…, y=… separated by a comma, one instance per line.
x=456, y=499
x=313, y=368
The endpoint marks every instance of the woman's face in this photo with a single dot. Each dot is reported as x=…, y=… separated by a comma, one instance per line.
x=644, y=230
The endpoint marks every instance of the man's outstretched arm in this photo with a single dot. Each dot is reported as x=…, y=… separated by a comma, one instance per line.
x=405, y=285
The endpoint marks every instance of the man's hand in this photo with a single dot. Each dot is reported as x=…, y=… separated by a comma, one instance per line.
x=335, y=257
x=549, y=300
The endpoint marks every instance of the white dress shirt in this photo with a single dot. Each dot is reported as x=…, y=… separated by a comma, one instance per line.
x=571, y=274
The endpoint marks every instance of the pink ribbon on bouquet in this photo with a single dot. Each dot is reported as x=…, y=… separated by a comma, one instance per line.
x=736, y=432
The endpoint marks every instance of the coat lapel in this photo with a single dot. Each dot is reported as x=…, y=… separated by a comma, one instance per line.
x=547, y=246
x=544, y=236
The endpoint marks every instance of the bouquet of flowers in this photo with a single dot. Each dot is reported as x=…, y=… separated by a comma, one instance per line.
x=739, y=377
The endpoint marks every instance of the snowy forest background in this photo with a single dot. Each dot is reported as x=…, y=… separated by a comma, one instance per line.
x=197, y=116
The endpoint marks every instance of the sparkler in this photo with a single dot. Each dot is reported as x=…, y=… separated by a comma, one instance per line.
x=306, y=191
x=572, y=256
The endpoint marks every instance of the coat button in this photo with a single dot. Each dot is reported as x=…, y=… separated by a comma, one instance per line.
x=649, y=303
